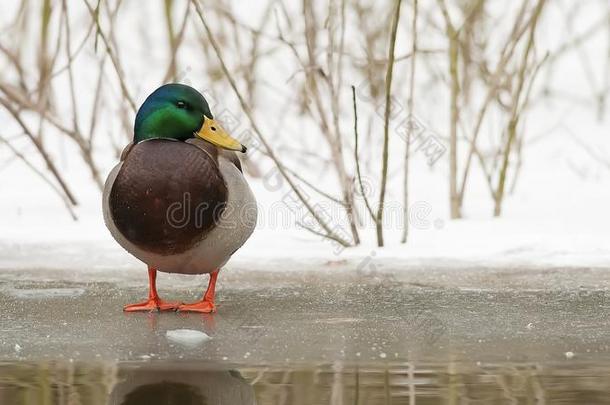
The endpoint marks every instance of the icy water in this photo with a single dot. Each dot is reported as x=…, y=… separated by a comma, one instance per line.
x=302, y=339
x=374, y=383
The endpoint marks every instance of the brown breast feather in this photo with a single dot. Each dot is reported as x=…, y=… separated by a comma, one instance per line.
x=167, y=196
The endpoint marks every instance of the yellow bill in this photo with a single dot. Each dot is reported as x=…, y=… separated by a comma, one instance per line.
x=212, y=132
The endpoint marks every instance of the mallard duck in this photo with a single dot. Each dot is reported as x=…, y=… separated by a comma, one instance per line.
x=178, y=200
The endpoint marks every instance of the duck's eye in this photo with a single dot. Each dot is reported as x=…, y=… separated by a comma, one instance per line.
x=181, y=104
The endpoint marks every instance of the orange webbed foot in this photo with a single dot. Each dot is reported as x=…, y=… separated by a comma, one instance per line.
x=152, y=305
x=202, y=307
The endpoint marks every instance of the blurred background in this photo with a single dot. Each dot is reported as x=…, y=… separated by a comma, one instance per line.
x=482, y=125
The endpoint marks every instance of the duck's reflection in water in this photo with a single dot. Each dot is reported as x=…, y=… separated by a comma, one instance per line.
x=179, y=387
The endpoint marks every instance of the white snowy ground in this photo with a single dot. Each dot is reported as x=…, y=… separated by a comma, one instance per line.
x=557, y=217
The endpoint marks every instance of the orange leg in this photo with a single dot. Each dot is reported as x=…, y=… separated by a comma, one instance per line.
x=206, y=305
x=153, y=303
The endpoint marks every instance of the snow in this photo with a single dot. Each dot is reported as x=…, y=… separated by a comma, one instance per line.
x=555, y=217
x=187, y=337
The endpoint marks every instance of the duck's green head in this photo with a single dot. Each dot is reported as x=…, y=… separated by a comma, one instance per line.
x=176, y=111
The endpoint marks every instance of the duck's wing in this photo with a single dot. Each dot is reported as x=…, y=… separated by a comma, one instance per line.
x=166, y=196
x=239, y=219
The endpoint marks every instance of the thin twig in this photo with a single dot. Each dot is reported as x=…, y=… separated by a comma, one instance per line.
x=313, y=187
x=453, y=54
x=386, y=123
x=47, y=159
x=405, y=200
x=113, y=58
x=58, y=191
x=357, y=158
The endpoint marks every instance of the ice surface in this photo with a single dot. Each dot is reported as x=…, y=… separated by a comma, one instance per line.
x=38, y=293
x=425, y=315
